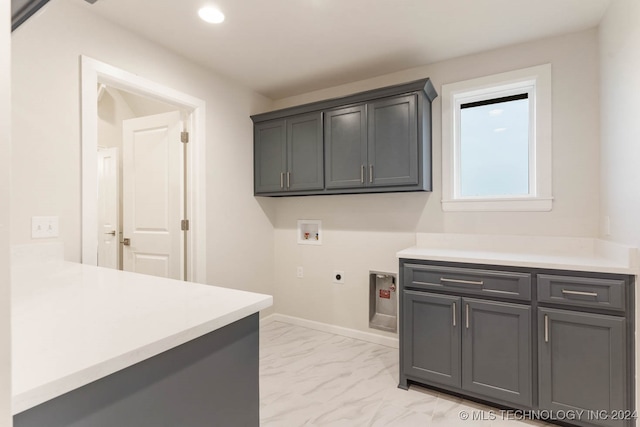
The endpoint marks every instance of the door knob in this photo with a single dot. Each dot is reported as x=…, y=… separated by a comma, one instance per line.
x=126, y=241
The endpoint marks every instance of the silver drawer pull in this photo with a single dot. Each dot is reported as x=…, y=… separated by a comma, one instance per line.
x=584, y=294
x=465, y=282
x=467, y=315
x=454, y=314
x=546, y=328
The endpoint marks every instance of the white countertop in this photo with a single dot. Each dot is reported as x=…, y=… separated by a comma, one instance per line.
x=73, y=324
x=575, y=254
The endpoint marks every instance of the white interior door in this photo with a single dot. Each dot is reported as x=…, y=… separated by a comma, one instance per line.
x=108, y=208
x=152, y=195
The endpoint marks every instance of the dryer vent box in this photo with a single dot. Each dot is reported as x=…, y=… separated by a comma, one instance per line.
x=383, y=301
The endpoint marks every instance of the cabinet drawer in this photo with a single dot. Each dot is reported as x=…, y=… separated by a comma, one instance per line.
x=581, y=291
x=505, y=284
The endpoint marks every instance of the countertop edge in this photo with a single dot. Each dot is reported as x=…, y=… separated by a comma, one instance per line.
x=29, y=399
x=584, y=264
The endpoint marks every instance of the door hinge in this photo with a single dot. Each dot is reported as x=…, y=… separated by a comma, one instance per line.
x=184, y=137
x=184, y=225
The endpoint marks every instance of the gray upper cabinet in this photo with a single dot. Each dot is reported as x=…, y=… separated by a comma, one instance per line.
x=372, y=145
x=288, y=154
x=304, y=152
x=393, y=142
x=270, y=156
x=375, y=141
x=345, y=134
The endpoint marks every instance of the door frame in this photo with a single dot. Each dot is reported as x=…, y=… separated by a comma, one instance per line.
x=94, y=72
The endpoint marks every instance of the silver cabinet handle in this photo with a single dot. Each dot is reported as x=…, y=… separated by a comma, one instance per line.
x=467, y=315
x=362, y=174
x=465, y=282
x=288, y=179
x=546, y=328
x=370, y=173
x=454, y=314
x=112, y=233
x=281, y=179
x=585, y=294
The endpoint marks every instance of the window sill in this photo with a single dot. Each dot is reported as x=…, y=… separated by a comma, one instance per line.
x=537, y=204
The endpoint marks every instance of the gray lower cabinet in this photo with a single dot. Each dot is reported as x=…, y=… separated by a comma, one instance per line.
x=496, y=350
x=482, y=347
x=288, y=154
x=210, y=381
x=559, y=343
x=582, y=360
x=431, y=337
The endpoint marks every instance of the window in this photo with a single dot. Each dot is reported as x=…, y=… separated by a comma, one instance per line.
x=496, y=142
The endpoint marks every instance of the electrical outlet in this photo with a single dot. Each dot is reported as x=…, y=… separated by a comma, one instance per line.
x=338, y=277
x=43, y=227
x=300, y=272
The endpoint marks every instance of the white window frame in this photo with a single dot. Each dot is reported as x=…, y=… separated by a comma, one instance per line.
x=536, y=82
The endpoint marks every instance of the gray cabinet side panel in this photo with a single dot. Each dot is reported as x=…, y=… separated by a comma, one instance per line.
x=393, y=141
x=582, y=362
x=496, y=350
x=208, y=382
x=431, y=337
x=345, y=147
x=270, y=156
x=304, y=152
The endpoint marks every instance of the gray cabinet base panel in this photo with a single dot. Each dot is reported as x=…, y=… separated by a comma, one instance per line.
x=210, y=381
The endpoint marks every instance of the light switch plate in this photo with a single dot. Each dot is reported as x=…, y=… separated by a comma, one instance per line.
x=43, y=227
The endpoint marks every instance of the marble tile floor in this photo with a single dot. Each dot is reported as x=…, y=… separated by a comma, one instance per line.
x=313, y=378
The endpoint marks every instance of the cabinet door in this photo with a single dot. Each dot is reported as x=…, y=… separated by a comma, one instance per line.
x=496, y=350
x=270, y=156
x=345, y=131
x=304, y=152
x=582, y=362
x=431, y=341
x=393, y=142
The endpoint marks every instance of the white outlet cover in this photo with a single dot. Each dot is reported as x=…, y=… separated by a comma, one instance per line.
x=43, y=227
x=300, y=272
x=339, y=281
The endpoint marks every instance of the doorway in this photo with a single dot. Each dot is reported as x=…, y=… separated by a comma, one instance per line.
x=141, y=189
x=138, y=190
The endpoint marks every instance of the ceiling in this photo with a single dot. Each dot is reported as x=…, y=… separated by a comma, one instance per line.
x=282, y=48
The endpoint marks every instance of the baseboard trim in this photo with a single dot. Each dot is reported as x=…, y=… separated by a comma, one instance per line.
x=325, y=327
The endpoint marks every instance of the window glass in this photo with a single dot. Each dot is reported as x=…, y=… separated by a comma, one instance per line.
x=494, y=147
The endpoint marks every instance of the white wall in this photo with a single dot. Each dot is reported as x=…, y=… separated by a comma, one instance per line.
x=116, y=106
x=46, y=158
x=5, y=177
x=365, y=231
x=620, y=112
x=620, y=132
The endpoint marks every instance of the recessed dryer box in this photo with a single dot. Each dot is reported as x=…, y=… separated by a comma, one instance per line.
x=383, y=301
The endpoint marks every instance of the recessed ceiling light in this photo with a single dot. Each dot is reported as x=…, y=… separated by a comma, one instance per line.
x=211, y=15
